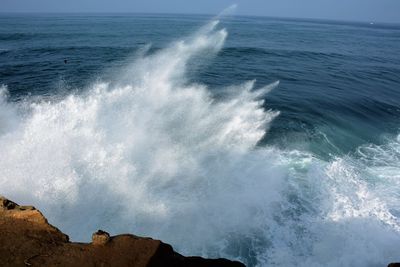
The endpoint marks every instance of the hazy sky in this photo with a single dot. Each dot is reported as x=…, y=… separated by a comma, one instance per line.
x=356, y=10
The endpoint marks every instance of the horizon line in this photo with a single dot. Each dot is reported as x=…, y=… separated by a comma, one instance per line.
x=197, y=14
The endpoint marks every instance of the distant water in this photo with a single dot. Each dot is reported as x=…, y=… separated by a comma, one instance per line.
x=175, y=127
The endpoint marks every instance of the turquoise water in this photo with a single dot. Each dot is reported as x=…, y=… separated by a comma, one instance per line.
x=174, y=126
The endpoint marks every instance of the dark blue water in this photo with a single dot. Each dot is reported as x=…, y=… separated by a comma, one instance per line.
x=338, y=98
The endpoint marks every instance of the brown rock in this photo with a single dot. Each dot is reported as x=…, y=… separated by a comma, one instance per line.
x=100, y=237
x=27, y=239
x=6, y=204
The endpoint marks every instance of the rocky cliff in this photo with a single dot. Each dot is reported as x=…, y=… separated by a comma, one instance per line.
x=27, y=239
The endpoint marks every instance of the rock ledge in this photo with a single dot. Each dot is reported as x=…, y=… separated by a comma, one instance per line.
x=27, y=239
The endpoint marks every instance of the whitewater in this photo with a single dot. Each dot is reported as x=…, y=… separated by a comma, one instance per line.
x=155, y=154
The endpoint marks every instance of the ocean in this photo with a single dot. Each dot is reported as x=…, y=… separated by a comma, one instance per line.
x=270, y=141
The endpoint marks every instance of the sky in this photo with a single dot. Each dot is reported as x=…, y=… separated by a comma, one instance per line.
x=350, y=10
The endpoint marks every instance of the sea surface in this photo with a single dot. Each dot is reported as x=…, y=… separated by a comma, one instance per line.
x=270, y=141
